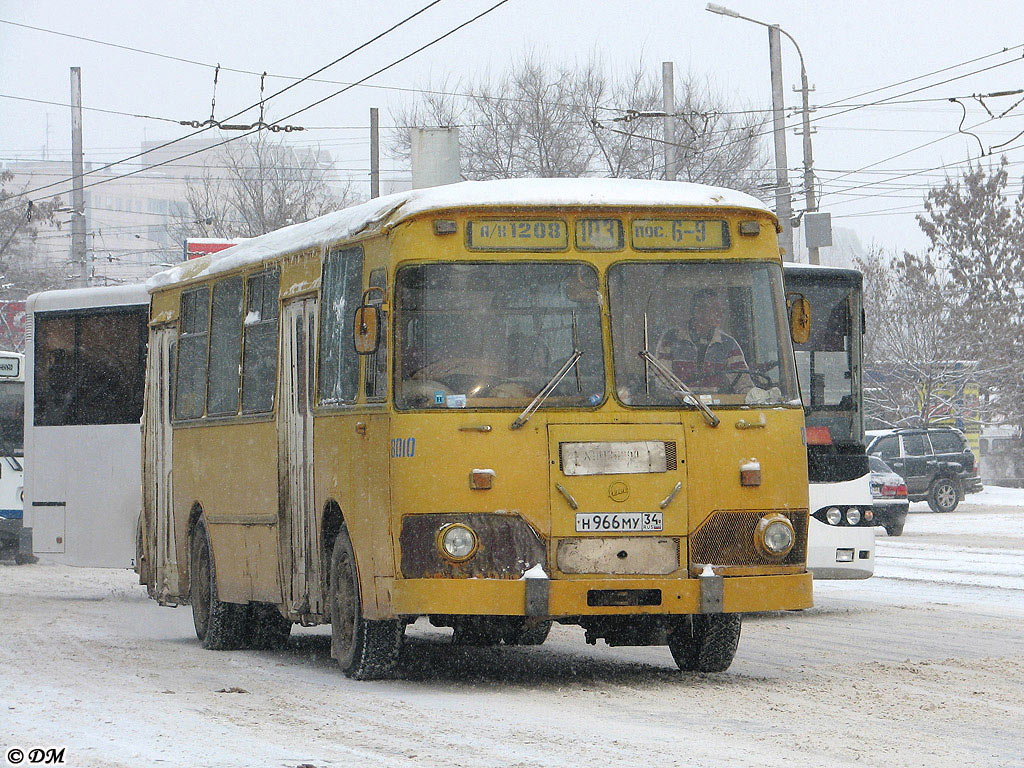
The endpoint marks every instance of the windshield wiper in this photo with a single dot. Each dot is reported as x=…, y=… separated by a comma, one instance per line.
x=554, y=381
x=683, y=391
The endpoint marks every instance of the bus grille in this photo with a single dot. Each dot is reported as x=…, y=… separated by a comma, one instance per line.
x=727, y=538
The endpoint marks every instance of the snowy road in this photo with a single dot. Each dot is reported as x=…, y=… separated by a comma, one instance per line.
x=921, y=665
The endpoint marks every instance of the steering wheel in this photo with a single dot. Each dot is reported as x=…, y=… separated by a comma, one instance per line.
x=468, y=375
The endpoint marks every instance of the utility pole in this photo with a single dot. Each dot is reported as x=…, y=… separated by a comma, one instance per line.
x=668, y=88
x=783, y=204
x=374, y=152
x=811, y=205
x=78, y=247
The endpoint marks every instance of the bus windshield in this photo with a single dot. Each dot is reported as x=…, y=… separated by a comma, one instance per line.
x=12, y=415
x=718, y=328
x=493, y=335
x=829, y=363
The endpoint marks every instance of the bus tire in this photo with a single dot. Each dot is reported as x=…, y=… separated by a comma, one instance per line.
x=365, y=649
x=219, y=626
x=266, y=627
x=523, y=634
x=944, y=495
x=895, y=529
x=705, y=642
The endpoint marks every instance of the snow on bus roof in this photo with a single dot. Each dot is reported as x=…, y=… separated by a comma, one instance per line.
x=392, y=209
x=82, y=298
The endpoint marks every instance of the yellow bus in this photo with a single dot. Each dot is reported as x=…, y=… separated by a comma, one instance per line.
x=492, y=404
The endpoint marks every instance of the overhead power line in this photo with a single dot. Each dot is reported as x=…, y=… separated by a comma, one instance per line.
x=316, y=103
x=341, y=58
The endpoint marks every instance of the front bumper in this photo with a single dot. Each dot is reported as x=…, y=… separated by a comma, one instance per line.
x=889, y=511
x=565, y=597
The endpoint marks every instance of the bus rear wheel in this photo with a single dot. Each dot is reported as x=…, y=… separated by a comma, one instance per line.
x=365, y=649
x=705, y=642
x=219, y=626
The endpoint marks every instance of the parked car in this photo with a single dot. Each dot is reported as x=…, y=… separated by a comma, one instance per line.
x=937, y=463
x=888, y=497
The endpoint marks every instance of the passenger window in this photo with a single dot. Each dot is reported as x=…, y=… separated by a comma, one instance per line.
x=89, y=367
x=342, y=288
x=916, y=445
x=190, y=386
x=259, y=349
x=376, y=372
x=946, y=442
x=225, y=347
x=888, y=448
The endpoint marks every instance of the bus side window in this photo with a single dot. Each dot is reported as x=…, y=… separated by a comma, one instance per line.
x=225, y=347
x=190, y=383
x=340, y=294
x=376, y=371
x=259, y=355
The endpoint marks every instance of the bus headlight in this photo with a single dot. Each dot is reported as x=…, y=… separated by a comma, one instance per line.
x=834, y=515
x=774, y=536
x=853, y=516
x=457, y=542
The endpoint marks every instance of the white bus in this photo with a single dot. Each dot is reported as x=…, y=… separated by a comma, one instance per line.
x=85, y=368
x=12, y=407
x=840, y=533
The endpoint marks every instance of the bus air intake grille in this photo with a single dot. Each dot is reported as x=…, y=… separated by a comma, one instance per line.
x=727, y=539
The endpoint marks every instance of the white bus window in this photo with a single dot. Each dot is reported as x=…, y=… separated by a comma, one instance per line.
x=89, y=367
x=339, y=363
x=190, y=389
x=225, y=347
x=259, y=358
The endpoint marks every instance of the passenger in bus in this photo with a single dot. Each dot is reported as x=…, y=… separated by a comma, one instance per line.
x=703, y=355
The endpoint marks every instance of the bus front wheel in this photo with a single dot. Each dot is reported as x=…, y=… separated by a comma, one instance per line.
x=219, y=626
x=365, y=649
x=705, y=642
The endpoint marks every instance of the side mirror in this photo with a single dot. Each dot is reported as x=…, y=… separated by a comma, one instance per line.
x=366, y=329
x=368, y=321
x=799, y=318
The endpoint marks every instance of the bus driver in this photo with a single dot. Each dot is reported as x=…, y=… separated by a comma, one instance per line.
x=703, y=355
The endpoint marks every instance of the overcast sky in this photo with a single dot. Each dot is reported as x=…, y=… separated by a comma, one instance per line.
x=846, y=51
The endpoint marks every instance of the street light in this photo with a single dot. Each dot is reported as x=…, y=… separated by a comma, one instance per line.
x=782, y=196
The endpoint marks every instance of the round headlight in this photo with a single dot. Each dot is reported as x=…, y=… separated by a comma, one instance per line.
x=853, y=515
x=834, y=515
x=775, y=536
x=458, y=542
x=869, y=515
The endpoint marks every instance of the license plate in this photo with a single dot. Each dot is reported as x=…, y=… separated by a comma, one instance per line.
x=618, y=522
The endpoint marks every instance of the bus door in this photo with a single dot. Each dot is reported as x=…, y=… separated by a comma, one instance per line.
x=298, y=535
x=157, y=466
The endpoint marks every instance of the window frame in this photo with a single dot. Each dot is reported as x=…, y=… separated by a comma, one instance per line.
x=528, y=260
x=347, y=347
x=262, y=277
x=188, y=292
x=380, y=378
x=209, y=347
x=76, y=314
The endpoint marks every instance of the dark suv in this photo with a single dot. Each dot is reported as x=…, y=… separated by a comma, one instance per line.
x=937, y=463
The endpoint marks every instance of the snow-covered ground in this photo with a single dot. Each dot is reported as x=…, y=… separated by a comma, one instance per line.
x=973, y=556
x=922, y=665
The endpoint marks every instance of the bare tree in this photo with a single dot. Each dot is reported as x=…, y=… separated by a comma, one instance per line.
x=258, y=185
x=21, y=273
x=917, y=371
x=543, y=119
